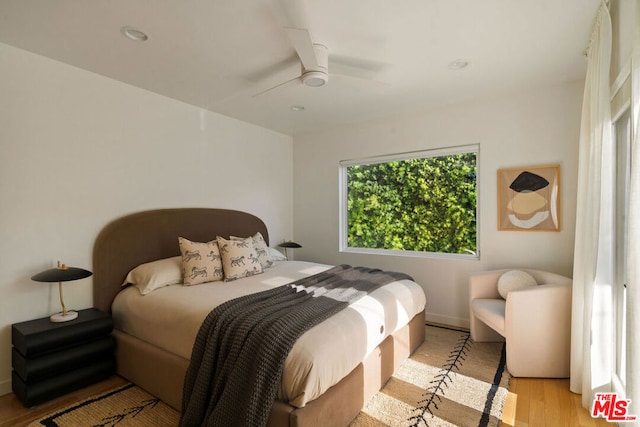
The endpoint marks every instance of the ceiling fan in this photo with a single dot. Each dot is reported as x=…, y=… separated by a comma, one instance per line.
x=314, y=57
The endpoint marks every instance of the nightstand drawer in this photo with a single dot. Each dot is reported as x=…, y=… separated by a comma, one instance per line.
x=39, y=392
x=41, y=336
x=54, y=363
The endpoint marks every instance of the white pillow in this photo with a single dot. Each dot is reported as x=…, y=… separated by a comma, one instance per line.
x=155, y=274
x=514, y=279
x=276, y=255
x=239, y=258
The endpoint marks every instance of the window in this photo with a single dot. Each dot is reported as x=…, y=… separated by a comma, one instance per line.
x=622, y=129
x=416, y=204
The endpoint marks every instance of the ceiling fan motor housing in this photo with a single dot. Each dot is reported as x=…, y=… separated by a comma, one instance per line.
x=319, y=76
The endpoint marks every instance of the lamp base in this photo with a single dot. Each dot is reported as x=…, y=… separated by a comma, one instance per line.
x=60, y=317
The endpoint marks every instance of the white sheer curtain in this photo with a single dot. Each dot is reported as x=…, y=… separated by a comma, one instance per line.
x=633, y=237
x=592, y=308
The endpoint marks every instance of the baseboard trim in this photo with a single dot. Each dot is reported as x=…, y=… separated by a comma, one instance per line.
x=5, y=387
x=447, y=320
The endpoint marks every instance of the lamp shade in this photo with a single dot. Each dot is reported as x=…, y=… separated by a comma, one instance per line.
x=289, y=244
x=61, y=274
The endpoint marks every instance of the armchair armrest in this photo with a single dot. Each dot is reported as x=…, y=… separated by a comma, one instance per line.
x=484, y=284
x=538, y=330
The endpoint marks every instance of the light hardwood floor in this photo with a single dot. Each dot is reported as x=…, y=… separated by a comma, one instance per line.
x=539, y=402
x=531, y=403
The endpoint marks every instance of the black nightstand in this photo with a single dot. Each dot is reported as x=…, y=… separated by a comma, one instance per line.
x=51, y=359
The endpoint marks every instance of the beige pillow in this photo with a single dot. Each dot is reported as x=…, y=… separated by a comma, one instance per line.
x=155, y=274
x=239, y=258
x=201, y=262
x=262, y=250
x=514, y=279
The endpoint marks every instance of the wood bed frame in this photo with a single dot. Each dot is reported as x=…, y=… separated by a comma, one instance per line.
x=150, y=235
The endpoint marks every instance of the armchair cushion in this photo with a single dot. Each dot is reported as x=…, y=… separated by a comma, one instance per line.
x=514, y=279
x=491, y=312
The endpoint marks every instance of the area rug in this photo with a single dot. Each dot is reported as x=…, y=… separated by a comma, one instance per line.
x=449, y=381
x=126, y=406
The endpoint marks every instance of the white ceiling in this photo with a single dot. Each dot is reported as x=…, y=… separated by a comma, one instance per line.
x=217, y=54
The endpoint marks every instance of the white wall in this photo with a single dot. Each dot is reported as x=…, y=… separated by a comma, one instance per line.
x=524, y=129
x=78, y=150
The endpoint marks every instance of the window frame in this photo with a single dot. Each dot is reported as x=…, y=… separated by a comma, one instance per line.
x=420, y=154
x=622, y=134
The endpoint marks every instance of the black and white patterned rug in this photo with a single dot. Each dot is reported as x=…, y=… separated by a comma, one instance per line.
x=126, y=406
x=449, y=381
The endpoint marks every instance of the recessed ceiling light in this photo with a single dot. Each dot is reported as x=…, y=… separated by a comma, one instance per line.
x=134, y=34
x=458, y=64
x=297, y=108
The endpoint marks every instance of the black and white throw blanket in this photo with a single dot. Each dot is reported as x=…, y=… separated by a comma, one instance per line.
x=238, y=356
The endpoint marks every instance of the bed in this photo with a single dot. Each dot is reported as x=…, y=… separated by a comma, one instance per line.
x=148, y=359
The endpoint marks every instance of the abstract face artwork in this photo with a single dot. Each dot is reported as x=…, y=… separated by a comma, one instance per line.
x=528, y=198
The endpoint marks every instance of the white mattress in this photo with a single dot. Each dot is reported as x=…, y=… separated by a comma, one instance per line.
x=170, y=317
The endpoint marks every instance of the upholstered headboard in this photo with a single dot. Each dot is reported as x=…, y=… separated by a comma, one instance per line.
x=150, y=235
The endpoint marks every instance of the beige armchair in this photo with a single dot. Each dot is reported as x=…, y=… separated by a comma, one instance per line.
x=534, y=321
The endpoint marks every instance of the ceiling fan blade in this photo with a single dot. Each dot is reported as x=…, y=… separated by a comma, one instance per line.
x=249, y=83
x=290, y=13
x=357, y=73
x=274, y=72
x=376, y=86
x=288, y=82
x=302, y=43
x=357, y=67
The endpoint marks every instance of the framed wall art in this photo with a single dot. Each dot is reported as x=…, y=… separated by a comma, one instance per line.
x=529, y=198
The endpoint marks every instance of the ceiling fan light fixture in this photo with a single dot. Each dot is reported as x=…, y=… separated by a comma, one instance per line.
x=315, y=78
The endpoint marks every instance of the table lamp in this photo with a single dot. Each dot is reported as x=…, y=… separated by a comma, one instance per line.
x=62, y=273
x=288, y=244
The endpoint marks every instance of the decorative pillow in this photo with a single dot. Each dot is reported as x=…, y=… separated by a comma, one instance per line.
x=261, y=248
x=155, y=274
x=239, y=258
x=276, y=255
x=514, y=279
x=201, y=262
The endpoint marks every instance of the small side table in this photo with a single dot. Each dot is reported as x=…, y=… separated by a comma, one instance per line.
x=51, y=359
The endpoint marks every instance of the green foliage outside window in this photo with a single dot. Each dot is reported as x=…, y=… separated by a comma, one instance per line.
x=423, y=204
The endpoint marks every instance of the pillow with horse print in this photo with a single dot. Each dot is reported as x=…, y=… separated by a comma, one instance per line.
x=201, y=262
x=239, y=258
x=260, y=245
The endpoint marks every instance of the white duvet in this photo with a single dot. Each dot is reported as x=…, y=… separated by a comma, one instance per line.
x=170, y=317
